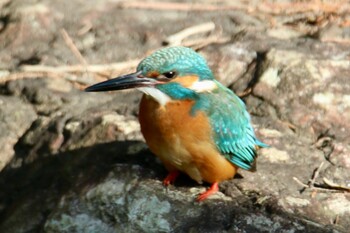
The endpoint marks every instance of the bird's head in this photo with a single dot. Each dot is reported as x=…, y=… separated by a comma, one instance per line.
x=169, y=73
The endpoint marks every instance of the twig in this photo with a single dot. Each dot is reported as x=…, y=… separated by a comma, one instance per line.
x=334, y=185
x=114, y=67
x=300, y=183
x=72, y=47
x=313, y=188
x=22, y=75
x=87, y=26
x=337, y=40
x=203, y=42
x=300, y=7
x=176, y=6
x=264, y=7
x=178, y=37
x=28, y=75
x=40, y=71
x=336, y=220
x=315, y=175
x=245, y=93
x=289, y=125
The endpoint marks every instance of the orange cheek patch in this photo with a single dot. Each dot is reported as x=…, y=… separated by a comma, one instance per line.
x=186, y=81
x=152, y=74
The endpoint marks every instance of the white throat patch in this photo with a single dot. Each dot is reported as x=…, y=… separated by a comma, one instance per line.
x=203, y=86
x=159, y=96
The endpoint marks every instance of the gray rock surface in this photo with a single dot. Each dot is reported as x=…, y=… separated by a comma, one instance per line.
x=16, y=117
x=76, y=162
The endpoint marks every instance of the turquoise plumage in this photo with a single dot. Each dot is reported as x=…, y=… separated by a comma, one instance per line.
x=232, y=131
x=189, y=120
x=180, y=59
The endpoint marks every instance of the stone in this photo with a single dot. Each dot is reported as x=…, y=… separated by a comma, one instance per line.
x=77, y=162
x=16, y=118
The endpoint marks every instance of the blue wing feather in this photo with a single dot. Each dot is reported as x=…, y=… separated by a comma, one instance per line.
x=233, y=134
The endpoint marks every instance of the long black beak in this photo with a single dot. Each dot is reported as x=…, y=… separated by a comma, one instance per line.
x=123, y=82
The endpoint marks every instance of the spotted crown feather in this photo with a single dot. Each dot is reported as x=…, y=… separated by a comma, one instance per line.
x=181, y=59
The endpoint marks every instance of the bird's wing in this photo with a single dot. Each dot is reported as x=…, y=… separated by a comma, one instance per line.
x=230, y=122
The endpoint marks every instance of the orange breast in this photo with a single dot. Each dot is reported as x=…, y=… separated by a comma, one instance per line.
x=183, y=142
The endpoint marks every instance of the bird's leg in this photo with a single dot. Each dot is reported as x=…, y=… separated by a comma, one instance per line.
x=171, y=177
x=213, y=189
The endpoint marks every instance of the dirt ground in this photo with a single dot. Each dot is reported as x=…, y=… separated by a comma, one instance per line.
x=72, y=161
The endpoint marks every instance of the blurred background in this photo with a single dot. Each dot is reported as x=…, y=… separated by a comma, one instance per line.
x=72, y=161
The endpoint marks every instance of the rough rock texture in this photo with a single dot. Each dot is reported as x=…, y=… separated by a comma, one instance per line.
x=76, y=162
x=16, y=117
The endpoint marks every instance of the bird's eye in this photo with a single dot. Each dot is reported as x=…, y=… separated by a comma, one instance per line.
x=170, y=74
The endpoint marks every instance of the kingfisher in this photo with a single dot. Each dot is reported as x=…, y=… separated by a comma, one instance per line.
x=190, y=121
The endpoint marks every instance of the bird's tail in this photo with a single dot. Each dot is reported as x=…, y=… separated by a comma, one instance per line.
x=261, y=144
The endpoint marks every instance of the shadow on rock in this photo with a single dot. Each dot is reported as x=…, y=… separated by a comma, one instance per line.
x=116, y=187
x=34, y=189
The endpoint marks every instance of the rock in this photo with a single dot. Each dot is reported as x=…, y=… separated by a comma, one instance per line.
x=133, y=200
x=62, y=125
x=308, y=95
x=76, y=161
x=284, y=33
x=335, y=32
x=16, y=118
x=230, y=62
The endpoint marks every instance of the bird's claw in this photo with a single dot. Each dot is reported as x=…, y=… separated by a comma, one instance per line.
x=213, y=189
x=171, y=177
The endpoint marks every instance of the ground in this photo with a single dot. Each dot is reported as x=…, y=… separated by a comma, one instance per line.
x=76, y=162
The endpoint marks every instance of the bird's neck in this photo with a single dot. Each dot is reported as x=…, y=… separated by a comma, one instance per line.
x=176, y=91
x=188, y=88
x=159, y=96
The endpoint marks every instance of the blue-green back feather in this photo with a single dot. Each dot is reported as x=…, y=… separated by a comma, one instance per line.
x=229, y=119
x=230, y=122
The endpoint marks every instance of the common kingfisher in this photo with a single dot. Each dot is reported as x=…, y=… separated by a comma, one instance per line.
x=193, y=123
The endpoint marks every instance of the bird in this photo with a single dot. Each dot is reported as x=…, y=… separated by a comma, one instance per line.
x=190, y=121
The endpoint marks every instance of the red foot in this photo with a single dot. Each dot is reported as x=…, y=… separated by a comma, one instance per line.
x=171, y=177
x=213, y=189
